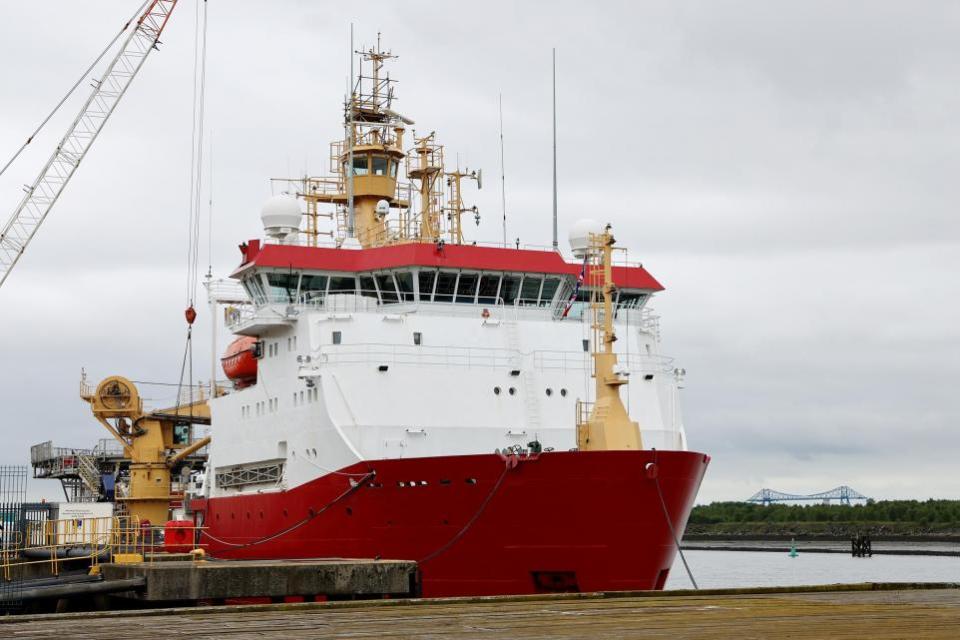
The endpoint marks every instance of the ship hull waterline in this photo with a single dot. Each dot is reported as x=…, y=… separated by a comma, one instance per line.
x=479, y=524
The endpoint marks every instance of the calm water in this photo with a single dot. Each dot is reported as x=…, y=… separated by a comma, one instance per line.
x=717, y=569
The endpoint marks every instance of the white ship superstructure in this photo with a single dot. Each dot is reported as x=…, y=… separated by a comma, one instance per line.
x=421, y=360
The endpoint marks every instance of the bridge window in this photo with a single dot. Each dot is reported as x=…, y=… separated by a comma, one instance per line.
x=283, y=286
x=628, y=300
x=313, y=287
x=393, y=168
x=379, y=165
x=426, y=279
x=343, y=284
x=510, y=289
x=405, y=285
x=467, y=288
x=255, y=289
x=581, y=305
x=550, y=286
x=388, y=291
x=367, y=287
x=446, y=285
x=489, y=287
x=360, y=165
x=530, y=291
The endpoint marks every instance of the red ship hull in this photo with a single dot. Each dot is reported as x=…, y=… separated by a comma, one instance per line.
x=480, y=524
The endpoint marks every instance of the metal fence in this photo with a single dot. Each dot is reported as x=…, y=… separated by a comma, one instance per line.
x=13, y=490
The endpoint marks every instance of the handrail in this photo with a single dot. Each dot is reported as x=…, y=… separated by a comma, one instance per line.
x=117, y=538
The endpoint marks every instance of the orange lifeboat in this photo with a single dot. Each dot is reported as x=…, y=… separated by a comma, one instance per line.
x=240, y=361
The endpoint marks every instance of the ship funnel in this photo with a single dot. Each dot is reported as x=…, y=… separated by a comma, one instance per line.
x=281, y=216
x=580, y=235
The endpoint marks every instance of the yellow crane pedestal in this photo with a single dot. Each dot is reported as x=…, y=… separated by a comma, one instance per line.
x=605, y=425
x=153, y=442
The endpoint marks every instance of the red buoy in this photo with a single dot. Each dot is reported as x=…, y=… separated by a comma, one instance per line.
x=240, y=361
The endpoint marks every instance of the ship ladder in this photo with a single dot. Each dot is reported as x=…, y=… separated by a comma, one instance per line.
x=524, y=365
x=90, y=475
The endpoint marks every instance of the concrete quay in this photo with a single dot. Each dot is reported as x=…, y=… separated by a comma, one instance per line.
x=179, y=581
x=875, y=611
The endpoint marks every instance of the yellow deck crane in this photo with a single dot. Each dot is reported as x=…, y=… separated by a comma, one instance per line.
x=153, y=442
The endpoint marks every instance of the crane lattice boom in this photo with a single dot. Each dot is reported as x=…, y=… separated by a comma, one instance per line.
x=107, y=91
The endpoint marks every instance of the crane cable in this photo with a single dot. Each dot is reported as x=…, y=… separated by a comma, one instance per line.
x=69, y=93
x=196, y=186
x=196, y=151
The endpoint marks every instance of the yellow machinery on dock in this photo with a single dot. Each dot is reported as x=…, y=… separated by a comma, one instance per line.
x=153, y=442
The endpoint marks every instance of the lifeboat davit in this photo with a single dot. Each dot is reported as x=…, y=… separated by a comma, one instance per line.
x=240, y=361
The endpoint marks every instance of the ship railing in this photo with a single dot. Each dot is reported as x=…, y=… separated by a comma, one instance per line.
x=386, y=354
x=582, y=411
x=108, y=448
x=306, y=186
x=285, y=307
x=380, y=353
x=54, y=459
x=580, y=360
x=90, y=541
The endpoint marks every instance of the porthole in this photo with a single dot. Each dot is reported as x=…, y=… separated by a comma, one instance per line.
x=513, y=390
x=549, y=391
x=496, y=391
x=563, y=393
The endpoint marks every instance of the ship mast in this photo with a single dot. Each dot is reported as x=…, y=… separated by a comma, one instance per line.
x=604, y=424
x=372, y=194
x=455, y=207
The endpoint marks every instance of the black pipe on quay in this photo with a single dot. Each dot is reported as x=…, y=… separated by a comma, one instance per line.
x=82, y=589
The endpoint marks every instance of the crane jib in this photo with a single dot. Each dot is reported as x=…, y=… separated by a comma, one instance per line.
x=56, y=173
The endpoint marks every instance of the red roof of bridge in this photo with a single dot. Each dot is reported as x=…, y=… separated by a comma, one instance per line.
x=450, y=256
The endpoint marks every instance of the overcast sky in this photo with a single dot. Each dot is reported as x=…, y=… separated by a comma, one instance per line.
x=788, y=170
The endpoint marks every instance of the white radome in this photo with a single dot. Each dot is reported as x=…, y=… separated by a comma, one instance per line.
x=580, y=235
x=281, y=216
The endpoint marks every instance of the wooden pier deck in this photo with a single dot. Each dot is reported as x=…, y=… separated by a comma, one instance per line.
x=876, y=612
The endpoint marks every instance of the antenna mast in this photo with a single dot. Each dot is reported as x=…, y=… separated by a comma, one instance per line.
x=351, y=220
x=555, y=244
x=503, y=185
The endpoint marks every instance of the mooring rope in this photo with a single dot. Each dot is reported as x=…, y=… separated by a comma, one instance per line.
x=673, y=533
x=296, y=525
x=476, y=516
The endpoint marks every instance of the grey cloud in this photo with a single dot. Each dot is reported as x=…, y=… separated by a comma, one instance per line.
x=786, y=169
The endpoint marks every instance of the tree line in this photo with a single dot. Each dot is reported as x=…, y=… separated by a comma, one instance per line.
x=913, y=511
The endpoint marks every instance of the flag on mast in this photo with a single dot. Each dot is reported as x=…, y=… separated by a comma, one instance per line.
x=576, y=289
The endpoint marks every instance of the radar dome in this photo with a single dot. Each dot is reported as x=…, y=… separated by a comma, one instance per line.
x=281, y=216
x=580, y=235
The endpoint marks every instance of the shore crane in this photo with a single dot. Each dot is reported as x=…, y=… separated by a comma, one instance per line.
x=40, y=196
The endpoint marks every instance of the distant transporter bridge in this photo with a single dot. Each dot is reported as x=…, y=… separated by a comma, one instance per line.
x=843, y=494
